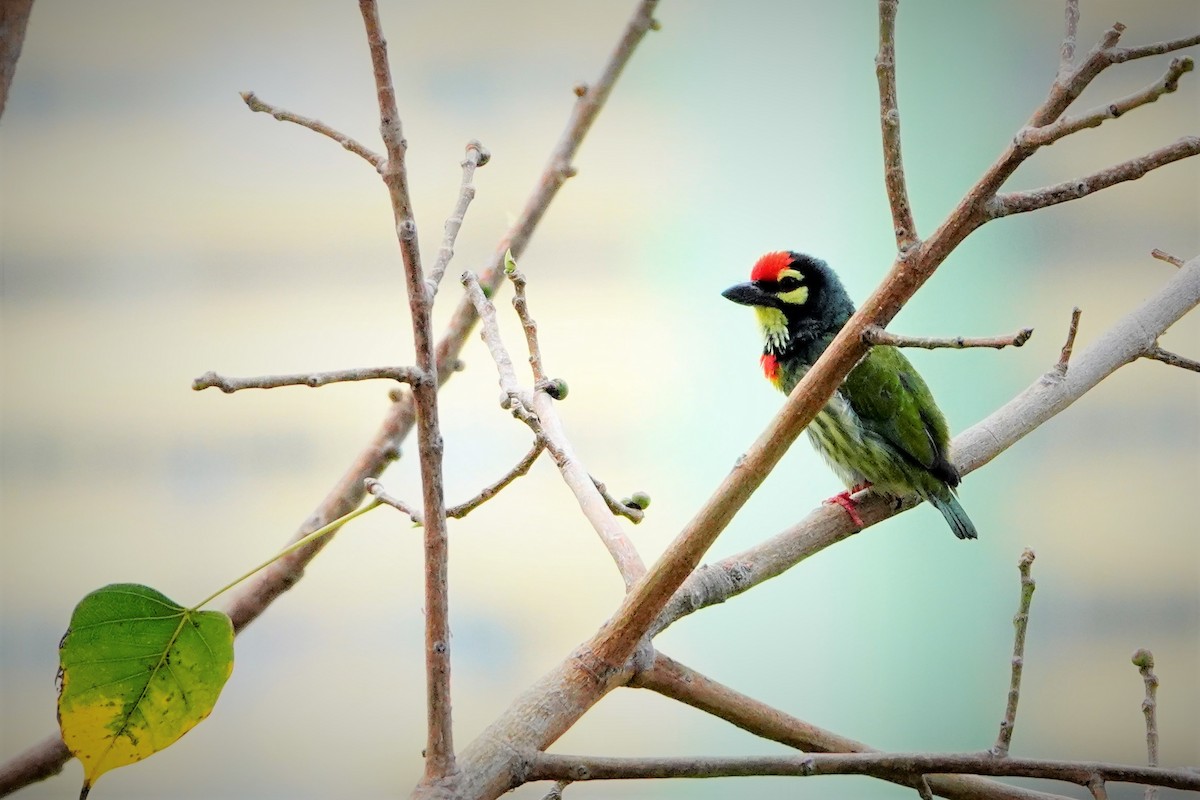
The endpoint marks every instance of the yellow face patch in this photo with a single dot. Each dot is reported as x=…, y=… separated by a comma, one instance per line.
x=797, y=296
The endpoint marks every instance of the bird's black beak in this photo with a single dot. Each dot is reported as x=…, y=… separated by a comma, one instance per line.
x=748, y=294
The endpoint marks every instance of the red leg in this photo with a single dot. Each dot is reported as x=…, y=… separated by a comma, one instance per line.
x=845, y=501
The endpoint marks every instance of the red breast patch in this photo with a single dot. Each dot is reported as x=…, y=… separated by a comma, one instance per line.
x=770, y=367
x=769, y=266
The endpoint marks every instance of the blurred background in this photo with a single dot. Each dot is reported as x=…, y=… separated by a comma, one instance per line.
x=154, y=228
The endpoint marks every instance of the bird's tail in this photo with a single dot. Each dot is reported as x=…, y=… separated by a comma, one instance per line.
x=959, y=522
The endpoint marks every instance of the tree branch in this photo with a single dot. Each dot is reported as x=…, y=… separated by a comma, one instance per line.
x=476, y=156
x=1020, y=624
x=1066, y=53
x=1144, y=660
x=537, y=410
x=897, y=767
x=1167, y=257
x=312, y=379
x=1167, y=357
x=1003, y=205
x=889, y=116
x=875, y=335
x=488, y=492
x=1049, y=134
x=1157, y=49
x=1064, y=356
x=678, y=682
x=283, y=115
x=439, y=750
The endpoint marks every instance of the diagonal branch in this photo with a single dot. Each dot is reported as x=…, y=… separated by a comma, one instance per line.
x=353, y=145
x=672, y=679
x=1020, y=202
x=889, y=117
x=1167, y=357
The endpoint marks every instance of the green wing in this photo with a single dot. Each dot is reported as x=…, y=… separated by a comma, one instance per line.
x=891, y=400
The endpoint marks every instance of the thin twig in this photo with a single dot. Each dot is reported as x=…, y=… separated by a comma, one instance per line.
x=1064, y=357
x=684, y=684
x=1095, y=785
x=1020, y=625
x=629, y=512
x=521, y=304
x=376, y=490
x=354, y=146
x=1144, y=660
x=537, y=410
x=1157, y=49
x=1003, y=205
x=1167, y=357
x=312, y=379
x=439, y=748
x=875, y=335
x=889, y=117
x=1167, y=257
x=522, y=467
x=476, y=156
x=904, y=767
x=1066, y=53
x=1065, y=126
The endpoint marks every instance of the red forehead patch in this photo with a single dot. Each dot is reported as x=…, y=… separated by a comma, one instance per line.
x=769, y=266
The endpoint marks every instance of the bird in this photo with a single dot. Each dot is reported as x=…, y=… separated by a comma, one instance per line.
x=881, y=429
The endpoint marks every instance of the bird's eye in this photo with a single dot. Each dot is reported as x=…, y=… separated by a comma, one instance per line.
x=788, y=283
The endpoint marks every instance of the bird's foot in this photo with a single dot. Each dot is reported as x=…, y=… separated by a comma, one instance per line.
x=846, y=502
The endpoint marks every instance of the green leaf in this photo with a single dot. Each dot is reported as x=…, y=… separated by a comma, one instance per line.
x=510, y=264
x=136, y=672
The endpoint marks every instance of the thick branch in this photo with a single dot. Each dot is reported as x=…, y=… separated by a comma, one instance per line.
x=889, y=117
x=898, y=767
x=672, y=679
x=873, y=335
x=354, y=146
x=1020, y=202
x=312, y=379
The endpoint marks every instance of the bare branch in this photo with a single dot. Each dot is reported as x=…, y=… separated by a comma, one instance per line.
x=439, y=749
x=1157, y=49
x=1095, y=785
x=1066, y=53
x=899, y=767
x=633, y=513
x=556, y=793
x=476, y=156
x=889, y=117
x=1003, y=205
x=1144, y=660
x=283, y=115
x=376, y=490
x=522, y=467
x=873, y=335
x=1167, y=357
x=1064, y=357
x=37, y=763
x=537, y=410
x=311, y=379
x=1169, y=82
x=521, y=304
x=1020, y=624
x=679, y=682
x=1167, y=257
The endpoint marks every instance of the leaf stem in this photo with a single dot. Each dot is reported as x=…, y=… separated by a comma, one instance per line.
x=293, y=547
